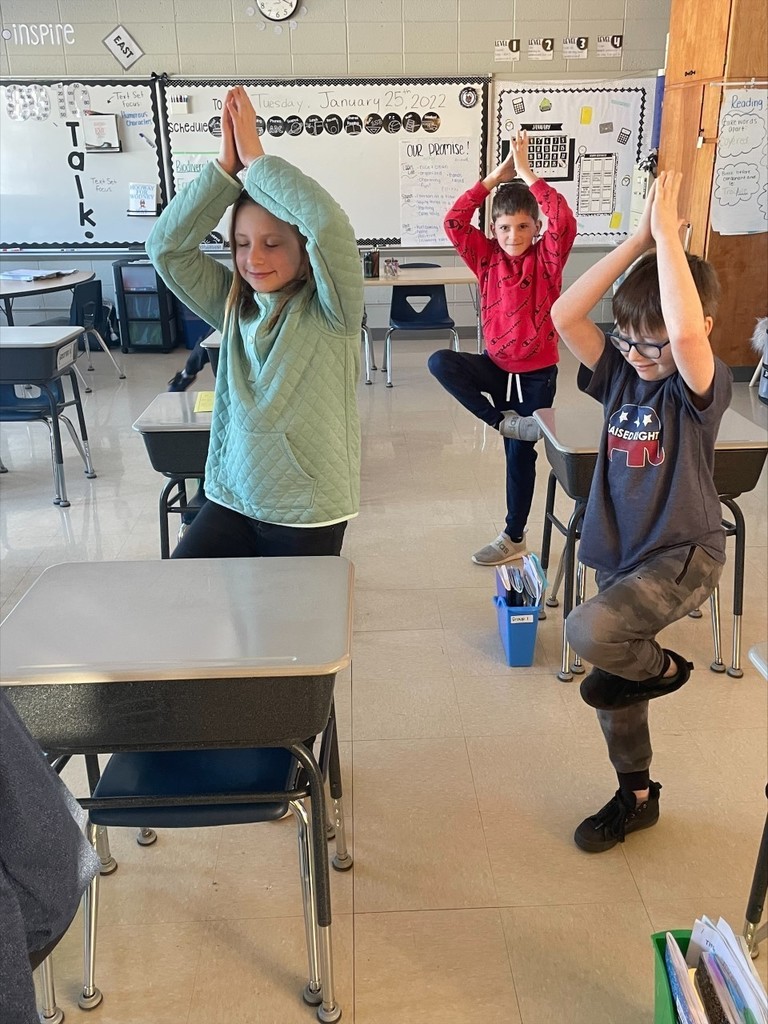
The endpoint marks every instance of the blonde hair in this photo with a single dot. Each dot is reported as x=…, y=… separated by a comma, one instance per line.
x=240, y=300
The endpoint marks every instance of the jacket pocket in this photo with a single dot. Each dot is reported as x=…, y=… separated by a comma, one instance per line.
x=268, y=478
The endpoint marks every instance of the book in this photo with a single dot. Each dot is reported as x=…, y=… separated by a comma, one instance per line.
x=204, y=401
x=24, y=274
x=687, y=1002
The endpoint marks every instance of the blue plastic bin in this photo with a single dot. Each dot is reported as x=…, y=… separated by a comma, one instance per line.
x=193, y=328
x=517, y=628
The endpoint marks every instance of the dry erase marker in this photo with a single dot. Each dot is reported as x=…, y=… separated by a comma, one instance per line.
x=148, y=141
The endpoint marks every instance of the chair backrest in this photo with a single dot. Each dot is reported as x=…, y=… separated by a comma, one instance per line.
x=87, y=307
x=434, y=313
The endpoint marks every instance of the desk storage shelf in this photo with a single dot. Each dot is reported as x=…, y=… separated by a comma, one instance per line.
x=146, y=308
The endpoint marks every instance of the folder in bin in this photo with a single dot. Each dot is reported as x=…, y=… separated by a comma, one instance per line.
x=518, y=622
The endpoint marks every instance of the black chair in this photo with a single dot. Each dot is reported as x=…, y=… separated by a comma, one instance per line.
x=403, y=316
x=87, y=311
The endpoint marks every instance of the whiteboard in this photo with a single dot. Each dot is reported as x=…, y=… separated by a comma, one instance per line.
x=55, y=192
x=354, y=136
x=584, y=139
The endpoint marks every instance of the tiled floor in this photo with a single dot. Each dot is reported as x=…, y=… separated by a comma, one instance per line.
x=468, y=901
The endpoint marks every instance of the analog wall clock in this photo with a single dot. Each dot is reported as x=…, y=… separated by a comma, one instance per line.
x=277, y=10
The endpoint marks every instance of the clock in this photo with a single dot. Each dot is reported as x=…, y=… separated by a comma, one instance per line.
x=277, y=10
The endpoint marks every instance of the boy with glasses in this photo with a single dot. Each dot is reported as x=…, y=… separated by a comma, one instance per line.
x=653, y=528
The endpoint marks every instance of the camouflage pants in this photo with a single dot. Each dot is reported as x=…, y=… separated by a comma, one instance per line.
x=616, y=631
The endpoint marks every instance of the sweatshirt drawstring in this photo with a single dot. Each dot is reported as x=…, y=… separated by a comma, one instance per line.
x=519, y=387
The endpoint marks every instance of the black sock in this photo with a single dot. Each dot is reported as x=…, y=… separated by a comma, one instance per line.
x=629, y=782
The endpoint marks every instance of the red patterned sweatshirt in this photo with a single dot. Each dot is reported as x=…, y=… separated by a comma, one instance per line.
x=516, y=292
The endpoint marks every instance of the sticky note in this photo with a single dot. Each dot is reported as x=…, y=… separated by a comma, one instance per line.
x=615, y=220
x=585, y=116
x=204, y=399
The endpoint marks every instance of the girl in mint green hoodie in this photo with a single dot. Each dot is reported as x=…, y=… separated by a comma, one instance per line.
x=283, y=469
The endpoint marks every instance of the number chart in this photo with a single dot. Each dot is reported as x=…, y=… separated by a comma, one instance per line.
x=585, y=138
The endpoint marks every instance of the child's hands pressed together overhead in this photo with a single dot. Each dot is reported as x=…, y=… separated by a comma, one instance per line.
x=243, y=119
x=519, y=149
x=229, y=160
x=643, y=231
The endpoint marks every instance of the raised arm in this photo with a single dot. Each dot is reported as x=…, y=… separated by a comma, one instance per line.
x=570, y=313
x=173, y=246
x=687, y=327
x=294, y=197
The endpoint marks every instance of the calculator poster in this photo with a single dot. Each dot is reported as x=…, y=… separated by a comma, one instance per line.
x=584, y=139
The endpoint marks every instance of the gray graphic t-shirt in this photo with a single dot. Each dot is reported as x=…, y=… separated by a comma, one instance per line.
x=653, y=487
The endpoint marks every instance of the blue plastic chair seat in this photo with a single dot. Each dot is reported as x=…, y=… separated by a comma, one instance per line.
x=185, y=773
x=14, y=409
x=402, y=323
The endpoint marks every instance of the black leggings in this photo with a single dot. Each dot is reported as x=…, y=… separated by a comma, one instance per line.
x=218, y=532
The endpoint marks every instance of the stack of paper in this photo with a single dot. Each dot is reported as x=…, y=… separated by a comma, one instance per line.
x=716, y=983
x=524, y=581
x=24, y=274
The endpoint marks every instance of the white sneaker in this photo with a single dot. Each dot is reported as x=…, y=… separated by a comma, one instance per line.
x=500, y=551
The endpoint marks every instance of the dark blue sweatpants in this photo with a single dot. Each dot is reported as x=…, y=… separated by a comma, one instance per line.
x=470, y=379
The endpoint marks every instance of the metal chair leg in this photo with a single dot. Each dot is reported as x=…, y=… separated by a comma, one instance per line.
x=90, y=996
x=581, y=594
x=85, y=456
x=107, y=864
x=342, y=859
x=387, y=367
x=86, y=386
x=757, y=893
x=735, y=670
x=455, y=336
x=714, y=606
x=105, y=347
x=50, y=1013
x=313, y=990
x=367, y=354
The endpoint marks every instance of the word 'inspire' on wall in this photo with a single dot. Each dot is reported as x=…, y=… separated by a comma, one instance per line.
x=38, y=35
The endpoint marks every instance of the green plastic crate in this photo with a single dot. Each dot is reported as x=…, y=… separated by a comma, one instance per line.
x=663, y=1004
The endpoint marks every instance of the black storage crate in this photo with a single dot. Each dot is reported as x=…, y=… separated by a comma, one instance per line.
x=146, y=308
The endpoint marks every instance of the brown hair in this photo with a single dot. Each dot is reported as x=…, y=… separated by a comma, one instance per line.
x=240, y=300
x=637, y=302
x=514, y=197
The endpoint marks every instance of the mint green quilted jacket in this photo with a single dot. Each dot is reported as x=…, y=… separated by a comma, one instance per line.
x=285, y=432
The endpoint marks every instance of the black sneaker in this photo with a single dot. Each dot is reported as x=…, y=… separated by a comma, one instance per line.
x=602, y=831
x=607, y=692
x=180, y=381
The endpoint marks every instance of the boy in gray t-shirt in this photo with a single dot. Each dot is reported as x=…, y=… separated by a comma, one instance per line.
x=653, y=526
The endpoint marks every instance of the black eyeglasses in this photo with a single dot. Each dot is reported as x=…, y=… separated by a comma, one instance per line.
x=649, y=349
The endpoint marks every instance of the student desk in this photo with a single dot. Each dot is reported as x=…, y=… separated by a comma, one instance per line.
x=204, y=654
x=212, y=344
x=10, y=290
x=571, y=437
x=40, y=356
x=177, y=443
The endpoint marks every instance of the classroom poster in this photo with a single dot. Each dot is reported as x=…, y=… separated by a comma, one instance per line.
x=740, y=189
x=433, y=174
x=585, y=139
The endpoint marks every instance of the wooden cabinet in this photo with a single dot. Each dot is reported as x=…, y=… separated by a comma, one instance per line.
x=717, y=41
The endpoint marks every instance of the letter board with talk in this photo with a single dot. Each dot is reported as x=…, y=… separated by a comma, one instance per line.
x=74, y=157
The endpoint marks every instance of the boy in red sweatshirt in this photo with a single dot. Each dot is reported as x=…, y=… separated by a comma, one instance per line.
x=519, y=271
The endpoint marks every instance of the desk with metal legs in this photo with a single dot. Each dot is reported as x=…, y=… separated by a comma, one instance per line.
x=40, y=356
x=10, y=290
x=571, y=437
x=183, y=655
x=177, y=443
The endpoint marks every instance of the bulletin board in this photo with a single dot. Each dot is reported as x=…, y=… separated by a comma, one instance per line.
x=69, y=153
x=584, y=139
x=394, y=153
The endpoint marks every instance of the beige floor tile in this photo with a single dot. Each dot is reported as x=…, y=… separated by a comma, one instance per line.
x=430, y=967
x=145, y=971
x=522, y=701
x=588, y=964
x=405, y=654
x=255, y=975
x=385, y=610
x=418, y=840
x=696, y=850
x=392, y=707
